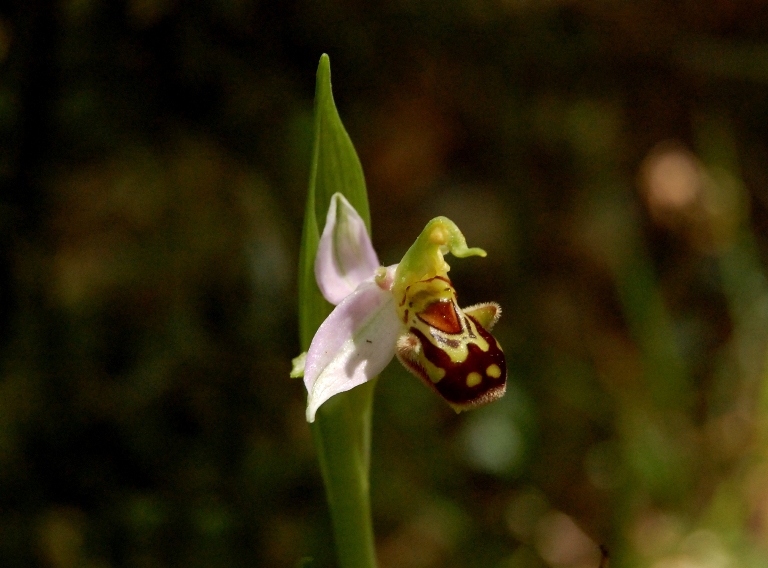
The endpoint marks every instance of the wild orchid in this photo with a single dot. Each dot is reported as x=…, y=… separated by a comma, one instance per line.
x=409, y=309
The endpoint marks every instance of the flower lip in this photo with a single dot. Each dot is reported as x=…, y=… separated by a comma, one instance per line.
x=345, y=254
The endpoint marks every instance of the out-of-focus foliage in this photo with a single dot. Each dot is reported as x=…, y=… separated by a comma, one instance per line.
x=611, y=157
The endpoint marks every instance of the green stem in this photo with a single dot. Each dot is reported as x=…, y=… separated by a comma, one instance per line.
x=342, y=433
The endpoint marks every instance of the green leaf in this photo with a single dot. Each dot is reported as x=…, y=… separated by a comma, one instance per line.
x=342, y=428
x=335, y=167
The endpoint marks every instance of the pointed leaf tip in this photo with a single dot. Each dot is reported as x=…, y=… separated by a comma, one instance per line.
x=336, y=166
x=323, y=72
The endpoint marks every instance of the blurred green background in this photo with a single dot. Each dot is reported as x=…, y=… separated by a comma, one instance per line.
x=611, y=157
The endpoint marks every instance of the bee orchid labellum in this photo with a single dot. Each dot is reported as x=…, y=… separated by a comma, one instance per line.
x=409, y=310
x=451, y=350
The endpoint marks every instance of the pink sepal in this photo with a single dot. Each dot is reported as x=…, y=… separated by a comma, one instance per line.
x=345, y=255
x=352, y=346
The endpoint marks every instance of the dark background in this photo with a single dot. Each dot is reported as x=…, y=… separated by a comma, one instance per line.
x=611, y=157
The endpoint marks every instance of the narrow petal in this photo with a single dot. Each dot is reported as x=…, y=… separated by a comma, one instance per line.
x=345, y=255
x=352, y=346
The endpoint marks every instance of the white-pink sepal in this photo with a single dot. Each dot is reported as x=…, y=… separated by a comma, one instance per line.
x=353, y=345
x=345, y=255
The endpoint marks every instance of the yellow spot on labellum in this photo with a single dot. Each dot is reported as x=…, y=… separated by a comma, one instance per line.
x=493, y=371
x=474, y=379
x=437, y=375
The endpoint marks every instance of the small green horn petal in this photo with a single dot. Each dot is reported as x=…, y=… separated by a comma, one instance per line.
x=297, y=364
x=425, y=260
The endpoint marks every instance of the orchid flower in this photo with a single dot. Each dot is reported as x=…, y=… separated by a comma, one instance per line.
x=408, y=309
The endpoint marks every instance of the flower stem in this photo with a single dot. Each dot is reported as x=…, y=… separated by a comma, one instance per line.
x=342, y=433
